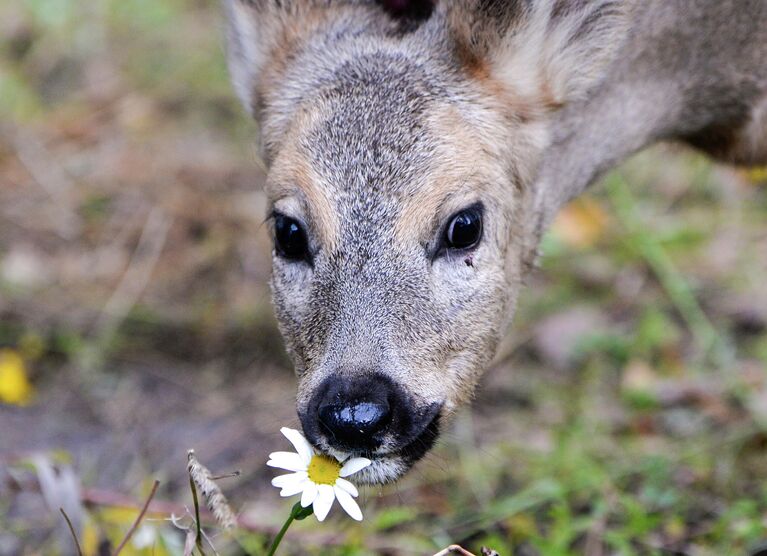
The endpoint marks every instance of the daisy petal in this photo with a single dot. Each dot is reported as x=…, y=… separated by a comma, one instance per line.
x=309, y=495
x=354, y=465
x=291, y=478
x=300, y=443
x=347, y=486
x=293, y=488
x=325, y=497
x=286, y=460
x=348, y=503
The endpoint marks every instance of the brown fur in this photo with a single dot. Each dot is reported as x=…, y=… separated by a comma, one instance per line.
x=293, y=177
x=377, y=129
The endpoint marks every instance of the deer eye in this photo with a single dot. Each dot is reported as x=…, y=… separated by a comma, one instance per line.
x=290, y=238
x=464, y=229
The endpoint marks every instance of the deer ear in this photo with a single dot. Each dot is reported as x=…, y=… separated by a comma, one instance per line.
x=250, y=28
x=552, y=51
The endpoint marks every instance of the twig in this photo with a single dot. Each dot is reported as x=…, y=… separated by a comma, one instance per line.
x=189, y=542
x=93, y=497
x=134, y=280
x=197, y=521
x=108, y=498
x=210, y=542
x=132, y=283
x=40, y=165
x=99, y=497
x=72, y=530
x=454, y=549
x=233, y=474
x=136, y=523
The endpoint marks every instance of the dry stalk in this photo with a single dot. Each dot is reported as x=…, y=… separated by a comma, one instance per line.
x=211, y=493
x=136, y=523
x=136, y=276
x=72, y=531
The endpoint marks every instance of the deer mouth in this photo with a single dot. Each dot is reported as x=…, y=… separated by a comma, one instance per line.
x=421, y=444
x=388, y=467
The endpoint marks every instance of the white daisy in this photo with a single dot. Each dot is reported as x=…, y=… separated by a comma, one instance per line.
x=318, y=477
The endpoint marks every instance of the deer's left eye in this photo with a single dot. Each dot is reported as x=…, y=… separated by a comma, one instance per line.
x=464, y=229
x=290, y=238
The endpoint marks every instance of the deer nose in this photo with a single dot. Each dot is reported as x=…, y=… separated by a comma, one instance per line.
x=354, y=424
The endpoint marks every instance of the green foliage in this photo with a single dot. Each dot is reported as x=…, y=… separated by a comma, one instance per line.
x=389, y=518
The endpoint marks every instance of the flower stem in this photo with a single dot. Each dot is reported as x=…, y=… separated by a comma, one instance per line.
x=278, y=538
x=296, y=513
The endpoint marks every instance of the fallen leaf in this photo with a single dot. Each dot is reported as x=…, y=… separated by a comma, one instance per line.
x=15, y=387
x=640, y=384
x=757, y=175
x=581, y=223
x=639, y=377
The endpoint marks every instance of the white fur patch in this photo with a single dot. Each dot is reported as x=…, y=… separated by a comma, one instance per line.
x=561, y=58
x=382, y=471
x=247, y=49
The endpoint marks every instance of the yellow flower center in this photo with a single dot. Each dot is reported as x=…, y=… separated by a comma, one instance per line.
x=324, y=470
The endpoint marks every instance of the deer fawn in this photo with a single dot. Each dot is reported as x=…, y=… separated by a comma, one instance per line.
x=417, y=149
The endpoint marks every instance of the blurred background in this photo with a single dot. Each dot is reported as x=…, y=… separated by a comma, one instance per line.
x=625, y=413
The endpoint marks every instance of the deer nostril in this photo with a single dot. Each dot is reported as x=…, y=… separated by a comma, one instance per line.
x=354, y=425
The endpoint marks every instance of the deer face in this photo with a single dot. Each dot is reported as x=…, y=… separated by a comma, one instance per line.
x=394, y=268
x=400, y=210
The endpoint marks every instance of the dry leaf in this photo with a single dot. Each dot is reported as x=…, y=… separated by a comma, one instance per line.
x=757, y=175
x=638, y=376
x=581, y=223
x=15, y=387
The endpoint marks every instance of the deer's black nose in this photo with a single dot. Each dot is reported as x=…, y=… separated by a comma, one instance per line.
x=354, y=413
x=365, y=412
x=354, y=424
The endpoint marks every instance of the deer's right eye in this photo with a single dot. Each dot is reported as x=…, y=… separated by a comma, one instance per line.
x=290, y=238
x=465, y=229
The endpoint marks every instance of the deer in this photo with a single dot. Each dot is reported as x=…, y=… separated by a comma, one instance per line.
x=417, y=151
